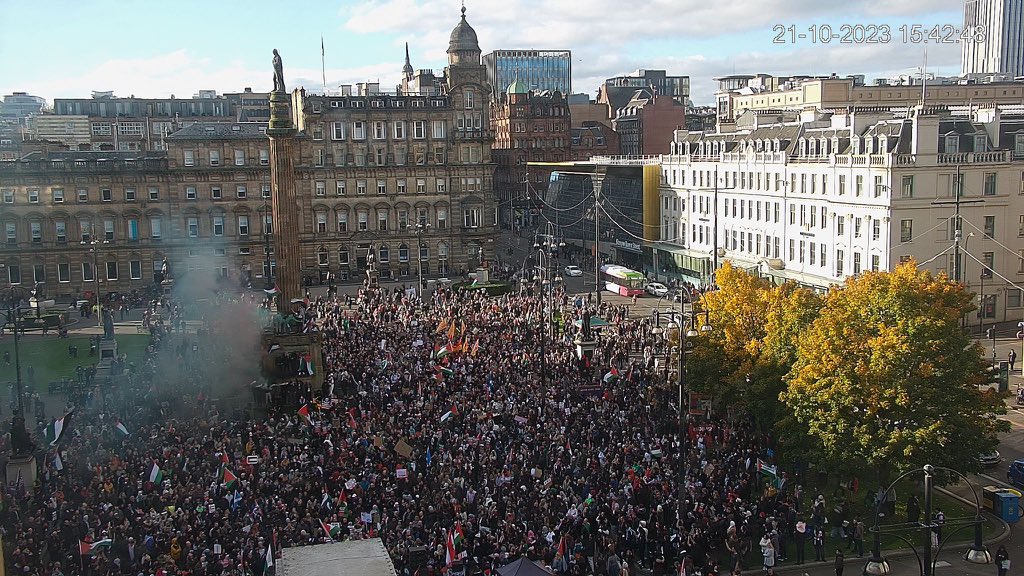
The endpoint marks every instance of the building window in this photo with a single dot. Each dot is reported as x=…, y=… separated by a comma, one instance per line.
x=952, y=144
x=61, y=230
x=33, y=195
x=907, y=187
x=265, y=191
x=154, y=193
x=879, y=187
x=382, y=187
x=106, y=195
x=438, y=129
x=361, y=187
x=63, y=272
x=421, y=185
x=856, y=262
x=906, y=230
x=83, y=195
x=840, y=225
x=401, y=185
x=340, y=190
x=239, y=157
x=988, y=260
x=36, y=228
x=264, y=157
x=1013, y=298
x=14, y=274
x=215, y=193
x=338, y=131
x=403, y=253
x=876, y=229
x=193, y=227
x=135, y=269
x=243, y=225
x=419, y=130
x=320, y=188
x=214, y=158
x=441, y=186
x=342, y=221
x=111, y=270
x=471, y=217
x=322, y=258
x=241, y=192
x=108, y=230
x=321, y=222
x=58, y=195
x=218, y=225
x=839, y=262
x=190, y=193
x=990, y=226
x=155, y=228
x=268, y=223
x=133, y=229
x=399, y=130
x=343, y=255
x=382, y=220
x=383, y=254
x=87, y=272
x=363, y=218
x=856, y=227
x=990, y=184
x=874, y=262
x=189, y=158
x=359, y=130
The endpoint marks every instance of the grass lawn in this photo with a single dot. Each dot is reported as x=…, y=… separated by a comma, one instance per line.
x=49, y=357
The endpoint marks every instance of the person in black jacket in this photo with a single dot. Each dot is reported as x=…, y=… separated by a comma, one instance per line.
x=839, y=562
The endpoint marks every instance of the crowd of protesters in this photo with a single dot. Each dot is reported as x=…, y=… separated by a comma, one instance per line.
x=440, y=428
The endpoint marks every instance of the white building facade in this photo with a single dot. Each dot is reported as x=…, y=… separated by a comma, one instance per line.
x=819, y=198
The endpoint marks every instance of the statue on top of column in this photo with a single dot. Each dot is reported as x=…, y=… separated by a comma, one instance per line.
x=278, y=73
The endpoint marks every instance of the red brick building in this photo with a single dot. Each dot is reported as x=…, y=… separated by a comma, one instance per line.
x=594, y=139
x=529, y=126
x=647, y=122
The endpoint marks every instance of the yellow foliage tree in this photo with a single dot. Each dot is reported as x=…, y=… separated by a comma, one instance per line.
x=885, y=377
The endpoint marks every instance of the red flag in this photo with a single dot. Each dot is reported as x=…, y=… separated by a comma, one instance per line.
x=455, y=410
x=84, y=548
x=224, y=457
x=304, y=411
x=352, y=418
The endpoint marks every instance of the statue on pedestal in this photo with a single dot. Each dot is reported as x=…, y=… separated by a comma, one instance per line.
x=21, y=442
x=108, y=323
x=278, y=73
x=586, y=331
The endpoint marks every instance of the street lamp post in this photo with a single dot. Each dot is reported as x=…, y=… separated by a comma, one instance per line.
x=12, y=298
x=93, y=244
x=928, y=556
x=683, y=412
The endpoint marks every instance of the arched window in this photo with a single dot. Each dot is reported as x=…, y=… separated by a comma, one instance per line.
x=403, y=253
x=343, y=255
x=384, y=254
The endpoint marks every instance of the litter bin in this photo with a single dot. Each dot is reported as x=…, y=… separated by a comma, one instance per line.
x=1007, y=506
x=988, y=497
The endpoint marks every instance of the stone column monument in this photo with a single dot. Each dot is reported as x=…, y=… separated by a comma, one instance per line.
x=283, y=150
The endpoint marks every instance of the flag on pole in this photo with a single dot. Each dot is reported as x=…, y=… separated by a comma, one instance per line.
x=331, y=530
x=442, y=351
x=156, y=475
x=611, y=376
x=451, y=331
x=476, y=348
x=442, y=325
x=449, y=555
x=268, y=560
x=304, y=412
x=121, y=428
x=443, y=370
x=460, y=536
x=453, y=412
x=272, y=291
x=56, y=431
x=58, y=464
x=227, y=479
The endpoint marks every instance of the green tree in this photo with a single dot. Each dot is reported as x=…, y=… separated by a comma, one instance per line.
x=884, y=376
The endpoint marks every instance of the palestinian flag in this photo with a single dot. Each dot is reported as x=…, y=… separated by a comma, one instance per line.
x=57, y=430
x=443, y=370
x=441, y=352
x=156, y=475
x=227, y=479
x=304, y=412
x=332, y=530
x=612, y=376
x=453, y=412
x=91, y=547
x=121, y=428
x=450, y=555
x=460, y=536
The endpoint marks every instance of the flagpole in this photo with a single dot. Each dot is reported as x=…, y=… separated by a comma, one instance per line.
x=323, y=66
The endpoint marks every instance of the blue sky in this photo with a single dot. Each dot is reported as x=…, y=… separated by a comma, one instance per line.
x=67, y=48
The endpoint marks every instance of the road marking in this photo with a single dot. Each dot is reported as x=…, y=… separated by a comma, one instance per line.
x=942, y=564
x=994, y=479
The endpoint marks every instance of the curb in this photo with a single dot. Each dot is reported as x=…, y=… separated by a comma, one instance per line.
x=901, y=552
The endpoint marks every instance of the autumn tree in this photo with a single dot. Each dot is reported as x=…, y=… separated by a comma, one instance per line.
x=885, y=377
x=743, y=360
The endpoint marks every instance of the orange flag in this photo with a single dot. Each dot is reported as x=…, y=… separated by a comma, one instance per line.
x=451, y=331
x=442, y=325
x=476, y=347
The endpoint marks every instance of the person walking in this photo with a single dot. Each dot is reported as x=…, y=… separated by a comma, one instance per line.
x=819, y=544
x=839, y=562
x=1012, y=358
x=1002, y=561
x=800, y=539
x=768, y=553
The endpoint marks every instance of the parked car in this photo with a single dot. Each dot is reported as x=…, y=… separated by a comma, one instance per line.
x=657, y=289
x=573, y=271
x=991, y=459
x=1015, y=473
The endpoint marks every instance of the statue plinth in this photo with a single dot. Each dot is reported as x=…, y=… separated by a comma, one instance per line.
x=26, y=466
x=280, y=115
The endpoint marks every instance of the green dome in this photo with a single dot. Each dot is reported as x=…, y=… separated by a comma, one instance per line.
x=517, y=87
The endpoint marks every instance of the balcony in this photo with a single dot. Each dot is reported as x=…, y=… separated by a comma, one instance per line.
x=973, y=158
